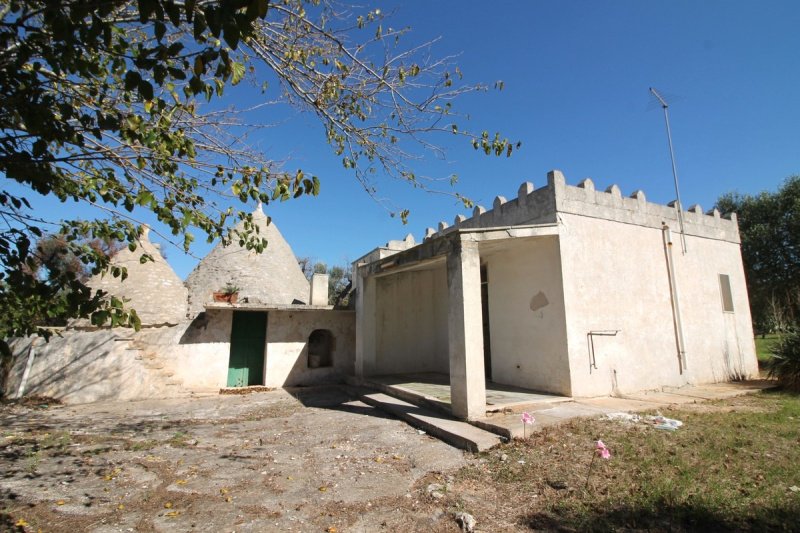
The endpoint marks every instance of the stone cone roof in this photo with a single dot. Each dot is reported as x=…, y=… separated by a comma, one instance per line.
x=155, y=291
x=271, y=277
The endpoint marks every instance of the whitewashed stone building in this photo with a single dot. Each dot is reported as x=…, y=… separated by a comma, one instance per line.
x=567, y=290
x=279, y=333
x=563, y=289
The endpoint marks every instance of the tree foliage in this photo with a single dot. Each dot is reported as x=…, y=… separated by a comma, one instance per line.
x=784, y=365
x=769, y=225
x=339, y=279
x=111, y=104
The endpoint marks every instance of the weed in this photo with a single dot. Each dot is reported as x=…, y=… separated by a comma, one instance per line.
x=785, y=362
x=179, y=440
x=34, y=457
x=141, y=445
x=60, y=440
x=728, y=469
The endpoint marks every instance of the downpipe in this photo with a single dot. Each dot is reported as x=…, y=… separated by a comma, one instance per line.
x=673, y=291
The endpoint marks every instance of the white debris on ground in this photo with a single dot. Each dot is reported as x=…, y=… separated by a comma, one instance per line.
x=657, y=421
x=466, y=522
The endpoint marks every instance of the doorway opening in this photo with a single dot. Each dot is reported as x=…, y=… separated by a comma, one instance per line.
x=248, y=340
x=487, y=340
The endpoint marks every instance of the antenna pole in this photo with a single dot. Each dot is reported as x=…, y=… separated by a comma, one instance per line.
x=678, y=206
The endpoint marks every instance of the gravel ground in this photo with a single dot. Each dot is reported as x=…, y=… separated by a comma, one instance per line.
x=314, y=460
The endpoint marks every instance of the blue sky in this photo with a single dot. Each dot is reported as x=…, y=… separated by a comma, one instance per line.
x=576, y=78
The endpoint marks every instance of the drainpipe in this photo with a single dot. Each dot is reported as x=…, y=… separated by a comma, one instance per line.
x=673, y=290
x=24, y=381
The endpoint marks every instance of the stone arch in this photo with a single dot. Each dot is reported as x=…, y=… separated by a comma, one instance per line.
x=320, y=348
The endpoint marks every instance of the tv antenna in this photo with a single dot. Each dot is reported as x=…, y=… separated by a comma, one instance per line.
x=678, y=205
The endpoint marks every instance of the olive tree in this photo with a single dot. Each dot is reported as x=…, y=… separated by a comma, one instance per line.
x=120, y=106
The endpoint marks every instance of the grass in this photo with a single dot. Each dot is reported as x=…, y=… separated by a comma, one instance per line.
x=730, y=467
x=764, y=346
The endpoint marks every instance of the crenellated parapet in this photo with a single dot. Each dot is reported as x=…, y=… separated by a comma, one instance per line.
x=542, y=206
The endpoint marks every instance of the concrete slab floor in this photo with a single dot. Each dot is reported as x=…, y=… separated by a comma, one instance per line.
x=510, y=424
x=436, y=386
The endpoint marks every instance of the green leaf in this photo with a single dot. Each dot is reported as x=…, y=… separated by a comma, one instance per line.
x=132, y=79
x=231, y=34
x=199, y=66
x=159, y=28
x=238, y=70
x=147, y=8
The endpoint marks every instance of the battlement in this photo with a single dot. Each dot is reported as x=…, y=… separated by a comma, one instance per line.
x=542, y=206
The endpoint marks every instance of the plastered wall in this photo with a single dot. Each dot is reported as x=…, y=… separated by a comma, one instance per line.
x=411, y=322
x=616, y=279
x=120, y=364
x=200, y=353
x=287, y=349
x=526, y=315
x=720, y=345
x=87, y=366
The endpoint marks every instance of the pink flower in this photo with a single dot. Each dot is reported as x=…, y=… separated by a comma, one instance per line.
x=528, y=418
x=602, y=450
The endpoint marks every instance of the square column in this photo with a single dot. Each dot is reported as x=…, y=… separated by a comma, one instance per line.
x=465, y=331
x=365, y=322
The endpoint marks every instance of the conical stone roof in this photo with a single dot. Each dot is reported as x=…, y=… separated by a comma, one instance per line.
x=155, y=291
x=271, y=277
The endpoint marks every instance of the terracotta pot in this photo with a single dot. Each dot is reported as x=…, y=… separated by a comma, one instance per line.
x=230, y=298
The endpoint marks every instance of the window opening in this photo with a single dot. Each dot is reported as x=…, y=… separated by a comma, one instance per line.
x=320, y=346
x=725, y=291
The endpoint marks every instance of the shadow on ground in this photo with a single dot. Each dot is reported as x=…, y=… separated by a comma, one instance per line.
x=663, y=516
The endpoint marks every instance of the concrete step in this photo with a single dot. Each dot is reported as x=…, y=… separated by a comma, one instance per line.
x=454, y=432
x=413, y=397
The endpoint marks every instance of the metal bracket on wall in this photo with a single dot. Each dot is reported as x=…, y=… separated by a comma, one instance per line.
x=590, y=342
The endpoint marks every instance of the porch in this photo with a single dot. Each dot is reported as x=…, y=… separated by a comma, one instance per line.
x=432, y=390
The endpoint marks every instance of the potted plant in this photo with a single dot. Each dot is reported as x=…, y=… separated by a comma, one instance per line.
x=228, y=294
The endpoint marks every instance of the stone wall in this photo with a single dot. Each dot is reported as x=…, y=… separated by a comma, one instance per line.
x=152, y=288
x=616, y=280
x=271, y=277
x=411, y=322
x=287, y=358
x=540, y=206
x=90, y=366
x=121, y=364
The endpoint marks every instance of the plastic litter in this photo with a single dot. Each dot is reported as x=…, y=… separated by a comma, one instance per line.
x=625, y=417
x=662, y=422
x=657, y=421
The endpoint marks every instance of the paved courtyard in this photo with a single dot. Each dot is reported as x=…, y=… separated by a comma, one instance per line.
x=270, y=461
x=316, y=459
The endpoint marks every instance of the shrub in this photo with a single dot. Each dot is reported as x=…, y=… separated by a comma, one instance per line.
x=785, y=362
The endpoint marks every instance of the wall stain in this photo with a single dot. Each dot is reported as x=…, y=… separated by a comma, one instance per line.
x=539, y=301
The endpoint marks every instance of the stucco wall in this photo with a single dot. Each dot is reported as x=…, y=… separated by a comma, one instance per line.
x=120, y=364
x=720, y=345
x=200, y=352
x=87, y=366
x=411, y=322
x=616, y=278
x=287, y=347
x=526, y=315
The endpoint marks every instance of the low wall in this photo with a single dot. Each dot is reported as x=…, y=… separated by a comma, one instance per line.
x=287, y=361
x=121, y=364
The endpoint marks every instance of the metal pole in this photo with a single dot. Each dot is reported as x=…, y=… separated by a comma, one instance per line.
x=679, y=205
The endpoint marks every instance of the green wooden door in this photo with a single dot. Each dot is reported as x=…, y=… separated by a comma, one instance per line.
x=248, y=339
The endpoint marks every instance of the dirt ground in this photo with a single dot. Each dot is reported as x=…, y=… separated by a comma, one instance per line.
x=317, y=460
